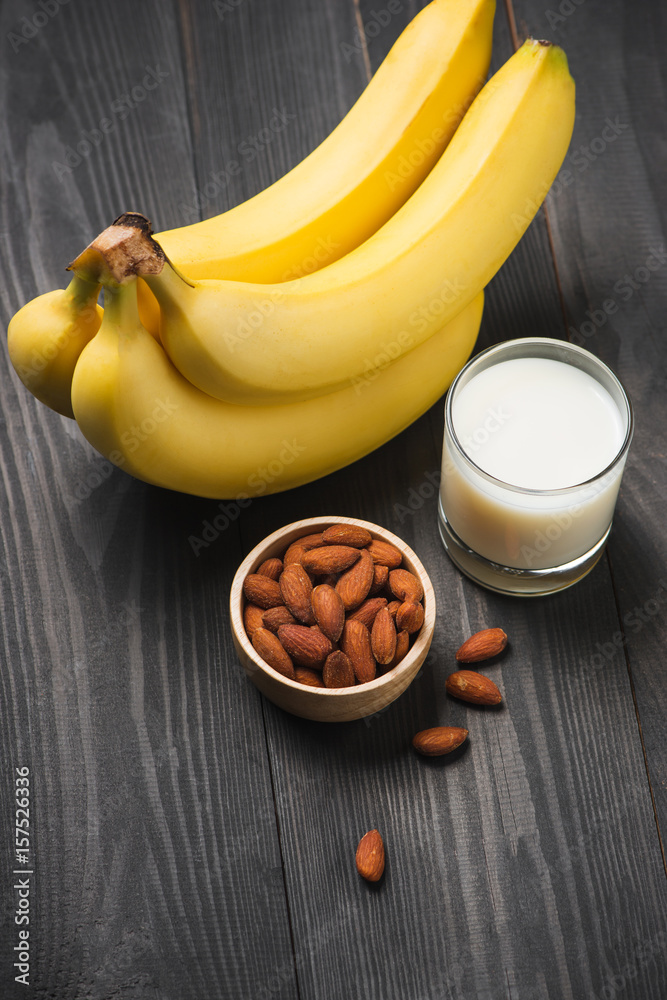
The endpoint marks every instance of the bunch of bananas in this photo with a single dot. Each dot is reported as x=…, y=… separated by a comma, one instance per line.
x=312, y=323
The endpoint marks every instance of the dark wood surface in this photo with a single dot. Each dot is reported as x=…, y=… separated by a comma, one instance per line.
x=191, y=840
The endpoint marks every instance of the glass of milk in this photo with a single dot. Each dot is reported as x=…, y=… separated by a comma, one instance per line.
x=536, y=436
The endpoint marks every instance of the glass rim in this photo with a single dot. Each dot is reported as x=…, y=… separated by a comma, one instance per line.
x=539, y=341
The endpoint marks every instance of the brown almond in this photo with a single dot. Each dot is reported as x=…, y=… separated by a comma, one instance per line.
x=482, y=645
x=439, y=740
x=273, y=652
x=380, y=577
x=383, y=637
x=271, y=568
x=405, y=585
x=354, y=585
x=367, y=610
x=296, y=550
x=402, y=646
x=393, y=608
x=347, y=534
x=338, y=671
x=262, y=590
x=311, y=678
x=307, y=646
x=296, y=588
x=329, y=558
x=356, y=644
x=275, y=617
x=328, y=611
x=471, y=686
x=252, y=618
x=385, y=553
x=410, y=616
x=370, y=856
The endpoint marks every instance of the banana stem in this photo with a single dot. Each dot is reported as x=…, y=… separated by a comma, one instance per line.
x=121, y=252
x=120, y=306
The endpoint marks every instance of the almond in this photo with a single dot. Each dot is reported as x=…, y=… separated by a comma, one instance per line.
x=439, y=740
x=370, y=856
x=405, y=585
x=385, y=553
x=482, y=645
x=410, y=616
x=306, y=646
x=329, y=558
x=296, y=550
x=337, y=671
x=367, y=611
x=252, y=618
x=328, y=611
x=380, y=577
x=309, y=677
x=402, y=646
x=270, y=567
x=262, y=590
x=393, y=607
x=275, y=617
x=347, y=534
x=383, y=637
x=471, y=686
x=354, y=585
x=296, y=588
x=356, y=644
x=271, y=649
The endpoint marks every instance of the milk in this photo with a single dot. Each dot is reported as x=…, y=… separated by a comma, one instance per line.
x=531, y=466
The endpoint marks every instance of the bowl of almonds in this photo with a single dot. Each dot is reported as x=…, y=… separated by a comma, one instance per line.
x=332, y=617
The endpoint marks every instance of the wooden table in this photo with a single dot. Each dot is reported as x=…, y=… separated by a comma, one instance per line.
x=190, y=839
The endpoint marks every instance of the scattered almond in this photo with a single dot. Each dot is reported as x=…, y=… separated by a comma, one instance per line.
x=337, y=671
x=354, y=585
x=329, y=558
x=439, y=740
x=307, y=646
x=370, y=856
x=471, y=686
x=311, y=678
x=405, y=586
x=410, y=616
x=271, y=649
x=385, y=553
x=328, y=611
x=271, y=568
x=347, y=534
x=482, y=645
x=275, y=617
x=262, y=590
x=383, y=637
x=356, y=644
x=296, y=588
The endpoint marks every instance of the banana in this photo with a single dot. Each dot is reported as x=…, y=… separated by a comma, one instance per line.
x=140, y=413
x=255, y=344
x=327, y=205
x=46, y=337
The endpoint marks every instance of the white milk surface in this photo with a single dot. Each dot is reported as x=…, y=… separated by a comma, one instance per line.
x=538, y=424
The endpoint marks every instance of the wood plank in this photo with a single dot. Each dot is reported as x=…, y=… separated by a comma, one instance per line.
x=157, y=873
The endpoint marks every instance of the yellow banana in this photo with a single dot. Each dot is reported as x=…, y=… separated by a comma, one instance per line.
x=46, y=337
x=256, y=344
x=137, y=410
x=327, y=205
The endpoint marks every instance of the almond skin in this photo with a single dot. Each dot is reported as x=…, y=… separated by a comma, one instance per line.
x=328, y=611
x=271, y=568
x=296, y=588
x=405, y=586
x=275, y=617
x=329, y=559
x=385, y=553
x=367, y=611
x=347, y=534
x=383, y=637
x=471, y=686
x=354, y=585
x=253, y=618
x=296, y=550
x=393, y=608
x=306, y=646
x=311, y=678
x=439, y=740
x=402, y=646
x=482, y=645
x=356, y=644
x=370, y=856
x=337, y=671
x=272, y=651
x=380, y=578
x=262, y=590
x=410, y=616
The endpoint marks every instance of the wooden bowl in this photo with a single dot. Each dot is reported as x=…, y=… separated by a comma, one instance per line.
x=328, y=704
